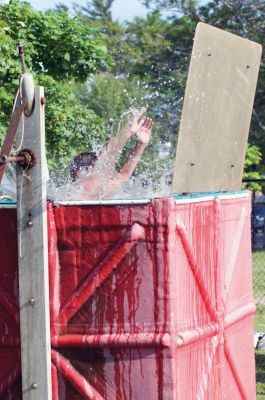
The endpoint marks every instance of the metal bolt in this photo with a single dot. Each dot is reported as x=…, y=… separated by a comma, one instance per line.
x=248, y=66
x=43, y=100
x=32, y=301
x=3, y=159
x=29, y=223
x=34, y=385
x=192, y=164
x=232, y=165
x=209, y=55
x=179, y=340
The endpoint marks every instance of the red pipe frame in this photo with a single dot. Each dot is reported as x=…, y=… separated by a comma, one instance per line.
x=74, y=377
x=9, y=306
x=86, y=290
x=112, y=340
x=100, y=274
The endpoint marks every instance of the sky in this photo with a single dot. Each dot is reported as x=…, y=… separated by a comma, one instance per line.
x=121, y=9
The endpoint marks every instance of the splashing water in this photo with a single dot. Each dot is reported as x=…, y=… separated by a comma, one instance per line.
x=8, y=185
x=151, y=178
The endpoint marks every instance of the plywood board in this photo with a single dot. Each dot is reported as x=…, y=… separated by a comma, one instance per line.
x=33, y=260
x=216, y=112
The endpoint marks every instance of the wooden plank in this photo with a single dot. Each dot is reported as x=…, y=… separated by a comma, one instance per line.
x=33, y=260
x=216, y=112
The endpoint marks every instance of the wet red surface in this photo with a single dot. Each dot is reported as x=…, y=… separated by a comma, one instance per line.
x=148, y=301
x=10, y=371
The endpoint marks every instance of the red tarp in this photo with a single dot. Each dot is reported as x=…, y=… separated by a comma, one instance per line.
x=147, y=301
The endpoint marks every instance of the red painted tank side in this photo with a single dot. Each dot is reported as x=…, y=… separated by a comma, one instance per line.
x=166, y=313
x=10, y=371
x=147, y=301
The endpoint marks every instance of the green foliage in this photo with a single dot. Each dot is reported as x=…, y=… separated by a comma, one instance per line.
x=59, y=49
x=251, y=168
x=242, y=17
x=97, y=10
x=162, y=51
x=70, y=127
x=151, y=56
x=57, y=44
x=110, y=96
x=148, y=58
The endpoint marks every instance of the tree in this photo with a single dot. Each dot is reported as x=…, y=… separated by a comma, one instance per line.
x=184, y=7
x=59, y=50
x=110, y=96
x=96, y=10
x=241, y=17
x=163, y=48
x=150, y=54
x=252, y=162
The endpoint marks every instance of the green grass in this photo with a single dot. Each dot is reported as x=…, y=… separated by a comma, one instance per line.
x=260, y=374
x=260, y=318
x=259, y=294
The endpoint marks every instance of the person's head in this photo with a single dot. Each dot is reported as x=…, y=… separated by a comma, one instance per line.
x=82, y=162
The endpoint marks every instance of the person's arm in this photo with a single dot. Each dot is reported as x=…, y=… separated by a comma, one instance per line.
x=130, y=165
x=120, y=178
x=103, y=180
x=110, y=155
x=144, y=134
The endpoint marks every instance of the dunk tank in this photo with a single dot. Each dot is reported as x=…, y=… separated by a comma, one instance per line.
x=150, y=298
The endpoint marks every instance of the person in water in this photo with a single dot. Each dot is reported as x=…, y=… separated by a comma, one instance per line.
x=96, y=177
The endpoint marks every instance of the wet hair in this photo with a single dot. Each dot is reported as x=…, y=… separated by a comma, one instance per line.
x=84, y=161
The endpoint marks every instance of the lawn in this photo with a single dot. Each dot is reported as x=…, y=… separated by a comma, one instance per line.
x=259, y=293
x=260, y=374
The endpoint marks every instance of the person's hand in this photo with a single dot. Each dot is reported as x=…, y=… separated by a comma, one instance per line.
x=144, y=130
x=134, y=123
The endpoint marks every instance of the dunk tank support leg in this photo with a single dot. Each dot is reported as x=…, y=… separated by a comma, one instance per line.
x=33, y=259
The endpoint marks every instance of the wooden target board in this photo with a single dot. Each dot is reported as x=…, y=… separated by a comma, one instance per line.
x=216, y=112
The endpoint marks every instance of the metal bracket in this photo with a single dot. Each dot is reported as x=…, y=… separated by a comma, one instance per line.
x=25, y=158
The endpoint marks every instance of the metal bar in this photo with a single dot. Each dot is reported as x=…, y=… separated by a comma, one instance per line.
x=6, y=159
x=239, y=383
x=11, y=205
x=9, y=341
x=11, y=132
x=33, y=261
x=189, y=336
x=55, y=383
x=102, y=202
x=9, y=379
x=112, y=340
x=22, y=57
x=196, y=273
x=239, y=314
x=8, y=305
x=101, y=273
x=53, y=267
x=249, y=180
x=74, y=377
x=198, y=199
